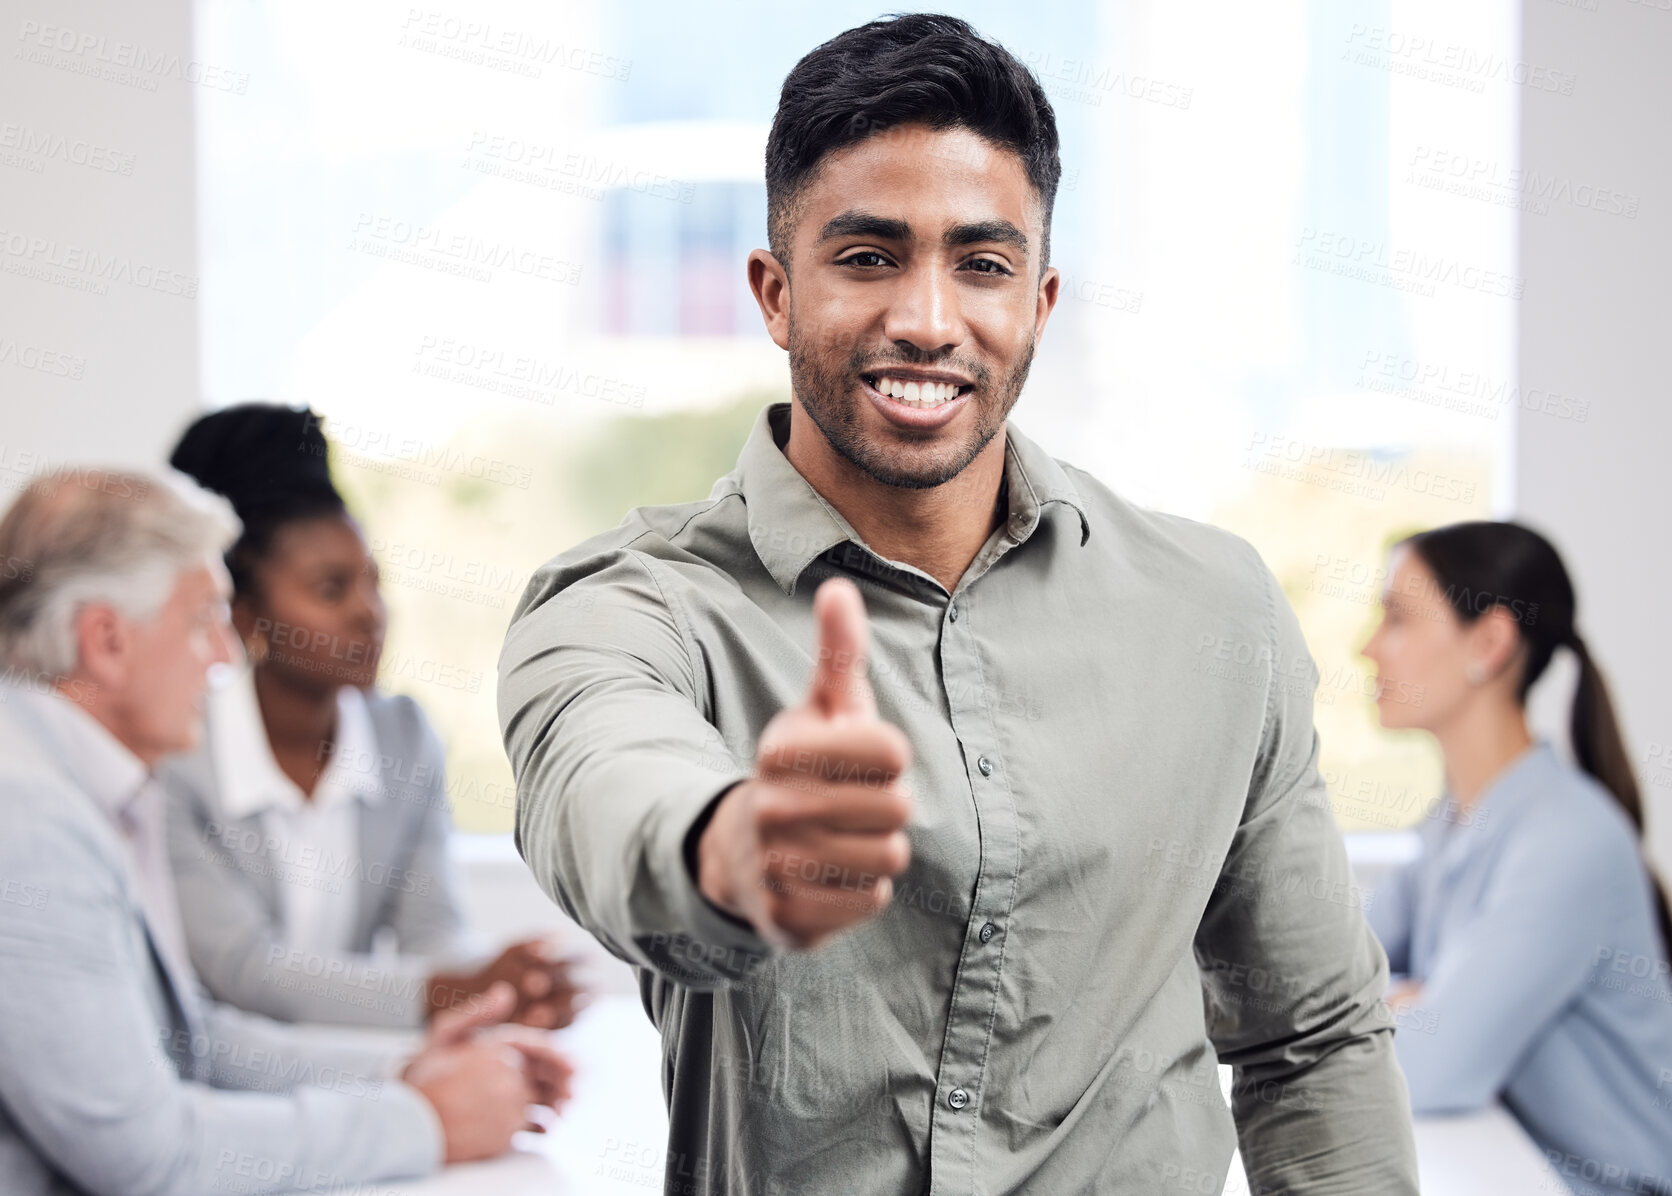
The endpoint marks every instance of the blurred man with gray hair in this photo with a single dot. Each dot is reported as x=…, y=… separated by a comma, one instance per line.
x=114, y=1066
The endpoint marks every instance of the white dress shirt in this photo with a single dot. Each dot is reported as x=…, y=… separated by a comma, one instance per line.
x=314, y=841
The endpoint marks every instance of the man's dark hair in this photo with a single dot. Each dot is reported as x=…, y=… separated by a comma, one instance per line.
x=914, y=67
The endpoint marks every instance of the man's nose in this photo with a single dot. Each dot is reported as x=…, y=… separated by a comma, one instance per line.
x=926, y=311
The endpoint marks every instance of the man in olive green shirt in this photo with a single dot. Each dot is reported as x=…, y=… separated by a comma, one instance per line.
x=963, y=876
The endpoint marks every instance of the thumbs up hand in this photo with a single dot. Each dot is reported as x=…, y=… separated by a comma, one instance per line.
x=809, y=845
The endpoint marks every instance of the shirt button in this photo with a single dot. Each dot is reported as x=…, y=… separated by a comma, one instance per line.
x=987, y=932
x=985, y=765
x=952, y=612
x=957, y=1098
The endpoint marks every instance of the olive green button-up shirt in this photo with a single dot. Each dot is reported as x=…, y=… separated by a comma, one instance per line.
x=1124, y=866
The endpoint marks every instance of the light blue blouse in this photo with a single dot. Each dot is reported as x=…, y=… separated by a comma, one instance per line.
x=1530, y=921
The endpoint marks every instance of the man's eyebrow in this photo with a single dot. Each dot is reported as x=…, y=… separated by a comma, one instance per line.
x=884, y=228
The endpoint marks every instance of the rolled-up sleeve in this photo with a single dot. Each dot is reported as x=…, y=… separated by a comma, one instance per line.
x=600, y=704
x=1293, y=976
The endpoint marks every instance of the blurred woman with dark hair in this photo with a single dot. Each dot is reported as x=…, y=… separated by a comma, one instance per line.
x=314, y=815
x=1529, y=937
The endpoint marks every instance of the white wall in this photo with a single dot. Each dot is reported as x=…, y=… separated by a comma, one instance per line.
x=89, y=378
x=1595, y=323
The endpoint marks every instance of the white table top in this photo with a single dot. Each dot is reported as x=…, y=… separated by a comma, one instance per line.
x=612, y=1139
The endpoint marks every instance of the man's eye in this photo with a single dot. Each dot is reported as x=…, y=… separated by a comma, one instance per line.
x=987, y=261
x=849, y=261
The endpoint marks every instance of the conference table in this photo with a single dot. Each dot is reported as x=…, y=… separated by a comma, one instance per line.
x=612, y=1138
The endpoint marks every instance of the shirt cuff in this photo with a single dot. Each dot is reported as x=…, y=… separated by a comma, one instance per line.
x=428, y=1146
x=713, y=945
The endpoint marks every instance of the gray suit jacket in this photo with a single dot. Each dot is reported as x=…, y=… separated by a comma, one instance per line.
x=228, y=873
x=112, y=1067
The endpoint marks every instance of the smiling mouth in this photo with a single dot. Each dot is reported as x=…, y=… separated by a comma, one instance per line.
x=921, y=396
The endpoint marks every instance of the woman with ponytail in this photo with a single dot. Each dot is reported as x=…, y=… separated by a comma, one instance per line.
x=1529, y=937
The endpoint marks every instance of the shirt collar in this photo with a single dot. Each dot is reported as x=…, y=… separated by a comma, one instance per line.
x=248, y=776
x=102, y=765
x=791, y=524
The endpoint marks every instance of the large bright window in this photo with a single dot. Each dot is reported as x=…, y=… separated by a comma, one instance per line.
x=501, y=245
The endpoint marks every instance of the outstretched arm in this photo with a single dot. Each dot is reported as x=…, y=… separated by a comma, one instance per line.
x=600, y=703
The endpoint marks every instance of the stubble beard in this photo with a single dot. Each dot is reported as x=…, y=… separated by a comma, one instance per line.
x=831, y=397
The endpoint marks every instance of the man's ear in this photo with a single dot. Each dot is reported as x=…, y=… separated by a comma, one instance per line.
x=770, y=283
x=1050, y=288
x=103, y=644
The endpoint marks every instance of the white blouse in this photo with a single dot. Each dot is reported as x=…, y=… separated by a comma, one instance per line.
x=315, y=842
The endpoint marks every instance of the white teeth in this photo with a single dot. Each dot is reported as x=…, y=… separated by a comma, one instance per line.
x=921, y=395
